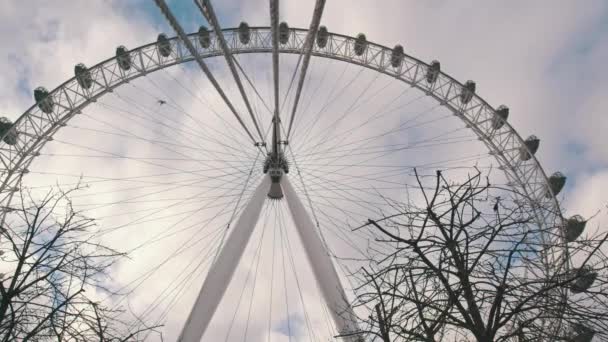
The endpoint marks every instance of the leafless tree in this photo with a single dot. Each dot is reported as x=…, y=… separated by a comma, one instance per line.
x=473, y=263
x=51, y=269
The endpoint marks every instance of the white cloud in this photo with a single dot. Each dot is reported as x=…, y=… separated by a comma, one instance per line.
x=536, y=57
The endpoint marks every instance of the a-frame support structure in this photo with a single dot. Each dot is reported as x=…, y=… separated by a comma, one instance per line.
x=222, y=270
x=274, y=185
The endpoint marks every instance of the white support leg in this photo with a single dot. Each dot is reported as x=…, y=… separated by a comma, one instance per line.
x=222, y=270
x=321, y=263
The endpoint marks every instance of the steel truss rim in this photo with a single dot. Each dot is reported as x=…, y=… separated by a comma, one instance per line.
x=15, y=159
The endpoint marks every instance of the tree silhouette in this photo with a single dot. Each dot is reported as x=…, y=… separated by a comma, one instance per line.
x=471, y=264
x=49, y=264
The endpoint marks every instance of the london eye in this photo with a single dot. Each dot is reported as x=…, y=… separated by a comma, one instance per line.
x=234, y=165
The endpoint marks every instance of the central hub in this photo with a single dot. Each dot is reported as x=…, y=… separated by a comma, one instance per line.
x=275, y=165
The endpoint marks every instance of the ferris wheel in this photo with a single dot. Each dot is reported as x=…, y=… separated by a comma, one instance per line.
x=285, y=128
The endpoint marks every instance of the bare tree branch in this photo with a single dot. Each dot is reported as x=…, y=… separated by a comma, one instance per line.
x=474, y=263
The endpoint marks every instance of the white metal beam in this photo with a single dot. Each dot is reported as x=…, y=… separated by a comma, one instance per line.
x=274, y=26
x=306, y=51
x=221, y=271
x=207, y=11
x=162, y=5
x=321, y=263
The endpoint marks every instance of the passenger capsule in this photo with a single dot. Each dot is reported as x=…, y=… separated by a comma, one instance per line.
x=529, y=148
x=203, y=37
x=164, y=45
x=244, y=33
x=322, y=37
x=360, y=44
x=83, y=76
x=123, y=57
x=555, y=185
x=580, y=333
x=432, y=72
x=397, y=56
x=583, y=279
x=283, y=33
x=467, y=91
x=499, y=119
x=44, y=100
x=574, y=227
x=8, y=131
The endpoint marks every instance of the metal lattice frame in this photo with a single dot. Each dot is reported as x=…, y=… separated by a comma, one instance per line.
x=35, y=127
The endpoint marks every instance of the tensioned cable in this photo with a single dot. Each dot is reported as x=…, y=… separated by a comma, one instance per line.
x=256, y=252
x=322, y=183
x=442, y=138
x=177, y=289
x=307, y=50
x=303, y=185
x=261, y=239
x=438, y=164
x=341, y=234
x=314, y=118
x=117, y=155
x=334, y=156
x=150, y=218
x=188, y=184
x=351, y=197
x=192, y=137
x=259, y=96
x=145, y=276
x=238, y=201
x=314, y=146
x=160, y=144
x=132, y=179
x=188, y=44
x=153, y=200
x=312, y=208
x=376, y=115
x=364, y=140
x=293, y=78
x=310, y=204
x=169, y=147
x=202, y=100
x=200, y=133
x=156, y=238
x=285, y=282
x=255, y=278
x=313, y=211
x=330, y=100
x=274, y=28
x=274, y=238
x=108, y=230
x=170, y=104
x=379, y=114
x=402, y=126
x=315, y=89
x=381, y=154
x=324, y=196
x=181, y=249
x=349, y=110
x=311, y=333
x=207, y=11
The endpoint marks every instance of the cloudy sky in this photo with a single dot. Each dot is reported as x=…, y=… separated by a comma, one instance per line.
x=544, y=59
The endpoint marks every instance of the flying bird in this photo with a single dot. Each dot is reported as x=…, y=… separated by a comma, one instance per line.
x=161, y=102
